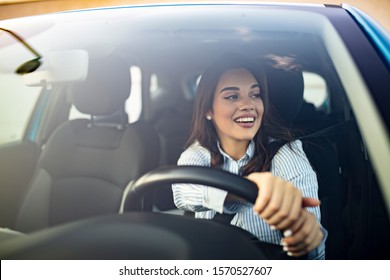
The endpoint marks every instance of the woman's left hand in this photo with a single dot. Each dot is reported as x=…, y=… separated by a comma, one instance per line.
x=303, y=236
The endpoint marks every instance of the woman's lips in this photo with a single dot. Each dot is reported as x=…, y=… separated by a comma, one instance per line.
x=245, y=121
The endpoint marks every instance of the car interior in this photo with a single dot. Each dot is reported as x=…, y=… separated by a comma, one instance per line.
x=85, y=166
x=113, y=144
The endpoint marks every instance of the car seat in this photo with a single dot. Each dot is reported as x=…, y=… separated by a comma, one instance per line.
x=87, y=163
x=172, y=122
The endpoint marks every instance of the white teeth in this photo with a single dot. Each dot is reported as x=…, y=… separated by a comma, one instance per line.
x=241, y=120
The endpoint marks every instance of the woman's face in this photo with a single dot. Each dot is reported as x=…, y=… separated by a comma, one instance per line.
x=237, y=107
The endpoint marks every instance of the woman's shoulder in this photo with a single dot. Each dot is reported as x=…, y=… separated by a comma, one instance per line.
x=291, y=152
x=292, y=147
x=195, y=155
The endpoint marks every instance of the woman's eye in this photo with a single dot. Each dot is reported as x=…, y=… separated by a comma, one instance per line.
x=231, y=97
x=256, y=96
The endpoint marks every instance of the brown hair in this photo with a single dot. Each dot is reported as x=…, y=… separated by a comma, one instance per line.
x=204, y=131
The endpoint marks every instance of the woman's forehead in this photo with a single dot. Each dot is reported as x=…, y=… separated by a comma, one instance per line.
x=236, y=76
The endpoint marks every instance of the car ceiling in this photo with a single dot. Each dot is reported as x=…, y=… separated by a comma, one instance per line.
x=154, y=38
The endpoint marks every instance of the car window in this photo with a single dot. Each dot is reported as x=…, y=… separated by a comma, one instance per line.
x=153, y=84
x=315, y=90
x=16, y=105
x=133, y=104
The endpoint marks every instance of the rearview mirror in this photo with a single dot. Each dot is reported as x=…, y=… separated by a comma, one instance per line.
x=60, y=67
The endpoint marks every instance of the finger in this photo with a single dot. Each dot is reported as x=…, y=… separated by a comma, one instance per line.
x=304, y=240
x=303, y=243
x=310, y=246
x=279, y=196
x=288, y=234
x=309, y=240
x=263, y=182
x=289, y=238
x=297, y=233
x=316, y=242
x=298, y=223
x=310, y=202
x=289, y=215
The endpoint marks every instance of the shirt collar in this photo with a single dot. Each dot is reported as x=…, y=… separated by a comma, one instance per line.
x=248, y=154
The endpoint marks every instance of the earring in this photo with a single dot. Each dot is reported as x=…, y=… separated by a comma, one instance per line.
x=208, y=117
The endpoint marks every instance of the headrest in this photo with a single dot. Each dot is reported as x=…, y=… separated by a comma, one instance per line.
x=105, y=89
x=285, y=87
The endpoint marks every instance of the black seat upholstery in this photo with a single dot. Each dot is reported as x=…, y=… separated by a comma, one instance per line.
x=286, y=89
x=172, y=122
x=173, y=126
x=87, y=163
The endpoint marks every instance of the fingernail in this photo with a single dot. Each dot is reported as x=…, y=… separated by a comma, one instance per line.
x=273, y=227
x=290, y=254
x=285, y=249
x=287, y=233
x=283, y=243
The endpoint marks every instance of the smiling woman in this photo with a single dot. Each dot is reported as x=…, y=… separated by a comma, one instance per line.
x=240, y=136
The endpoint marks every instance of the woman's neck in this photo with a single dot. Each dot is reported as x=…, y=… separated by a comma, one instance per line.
x=235, y=149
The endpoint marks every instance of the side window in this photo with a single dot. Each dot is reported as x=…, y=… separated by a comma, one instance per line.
x=133, y=105
x=190, y=85
x=17, y=102
x=153, y=84
x=316, y=91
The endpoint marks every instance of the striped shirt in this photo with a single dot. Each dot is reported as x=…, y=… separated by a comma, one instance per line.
x=290, y=164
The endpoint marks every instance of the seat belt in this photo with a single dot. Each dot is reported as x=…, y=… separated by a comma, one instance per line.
x=328, y=131
x=224, y=218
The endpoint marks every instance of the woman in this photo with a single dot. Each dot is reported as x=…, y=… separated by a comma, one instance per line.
x=234, y=129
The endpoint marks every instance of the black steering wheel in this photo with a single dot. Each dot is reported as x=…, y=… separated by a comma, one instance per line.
x=188, y=174
x=227, y=181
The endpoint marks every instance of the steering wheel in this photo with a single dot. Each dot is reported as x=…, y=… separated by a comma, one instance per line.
x=188, y=174
x=227, y=181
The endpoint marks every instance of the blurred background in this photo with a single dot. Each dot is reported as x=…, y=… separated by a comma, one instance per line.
x=377, y=9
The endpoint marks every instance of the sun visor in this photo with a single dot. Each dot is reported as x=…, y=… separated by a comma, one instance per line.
x=60, y=67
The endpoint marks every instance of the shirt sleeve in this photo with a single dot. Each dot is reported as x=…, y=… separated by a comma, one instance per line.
x=292, y=164
x=194, y=197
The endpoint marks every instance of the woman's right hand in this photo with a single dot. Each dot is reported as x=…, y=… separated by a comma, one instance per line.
x=278, y=202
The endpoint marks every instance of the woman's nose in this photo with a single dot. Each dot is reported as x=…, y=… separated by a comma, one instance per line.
x=246, y=105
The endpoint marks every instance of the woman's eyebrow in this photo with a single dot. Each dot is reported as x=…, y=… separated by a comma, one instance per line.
x=229, y=89
x=236, y=88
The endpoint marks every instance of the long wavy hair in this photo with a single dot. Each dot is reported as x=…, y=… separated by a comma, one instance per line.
x=272, y=133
